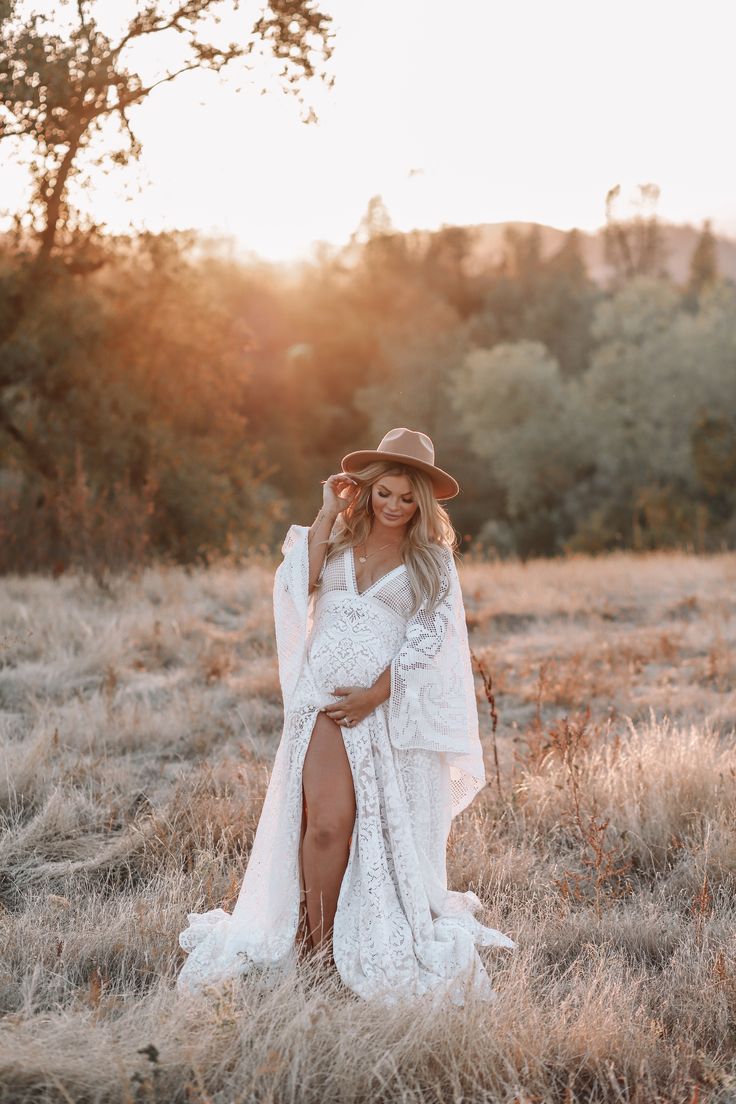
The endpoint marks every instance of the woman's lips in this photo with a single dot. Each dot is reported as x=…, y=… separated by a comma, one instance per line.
x=392, y=517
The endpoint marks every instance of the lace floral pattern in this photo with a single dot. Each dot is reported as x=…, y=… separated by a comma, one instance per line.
x=415, y=762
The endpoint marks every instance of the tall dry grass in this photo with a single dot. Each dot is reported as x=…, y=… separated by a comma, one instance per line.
x=138, y=724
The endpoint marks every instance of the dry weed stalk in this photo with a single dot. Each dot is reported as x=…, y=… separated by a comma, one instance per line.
x=541, y=683
x=635, y=1011
x=100, y=530
x=491, y=699
x=702, y=906
x=719, y=665
x=702, y=903
x=537, y=745
x=604, y=865
x=725, y=977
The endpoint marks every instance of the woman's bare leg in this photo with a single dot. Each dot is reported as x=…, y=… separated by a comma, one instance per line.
x=327, y=782
x=303, y=924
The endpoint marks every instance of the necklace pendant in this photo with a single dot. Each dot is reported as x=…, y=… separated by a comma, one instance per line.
x=362, y=558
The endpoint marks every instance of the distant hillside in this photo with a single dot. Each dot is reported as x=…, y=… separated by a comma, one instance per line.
x=680, y=242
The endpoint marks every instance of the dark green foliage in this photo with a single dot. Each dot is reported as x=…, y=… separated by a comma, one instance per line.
x=713, y=441
x=158, y=400
x=634, y=245
x=204, y=400
x=121, y=377
x=704, y=262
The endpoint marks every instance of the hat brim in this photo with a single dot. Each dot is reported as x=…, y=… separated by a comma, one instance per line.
x=442, y=482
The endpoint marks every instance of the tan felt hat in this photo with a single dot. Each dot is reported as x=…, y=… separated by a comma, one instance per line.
x=408, y=446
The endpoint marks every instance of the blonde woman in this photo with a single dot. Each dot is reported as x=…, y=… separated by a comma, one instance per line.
x=379, y=749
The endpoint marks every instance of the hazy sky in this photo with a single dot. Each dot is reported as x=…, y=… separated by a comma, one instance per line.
x=460, y=111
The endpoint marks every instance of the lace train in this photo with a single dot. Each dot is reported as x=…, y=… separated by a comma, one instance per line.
x=398, y=931
x=416, y=761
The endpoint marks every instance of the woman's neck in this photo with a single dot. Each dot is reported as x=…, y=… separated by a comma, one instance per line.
x=385, y=534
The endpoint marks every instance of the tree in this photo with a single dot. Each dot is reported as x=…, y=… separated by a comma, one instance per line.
x=136, y=377
x=704, y=262
x=522, y=255
x=634, y=246
x=525, y=421
x=568, y=262
x=658, y=373
x=60, y=94
x=560, y=311
x=713, y=442
x=447, y=269
x=375, y=222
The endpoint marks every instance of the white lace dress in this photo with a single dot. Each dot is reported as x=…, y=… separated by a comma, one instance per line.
x=416, y=761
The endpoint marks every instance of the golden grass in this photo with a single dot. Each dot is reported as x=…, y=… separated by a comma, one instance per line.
x=138, y=724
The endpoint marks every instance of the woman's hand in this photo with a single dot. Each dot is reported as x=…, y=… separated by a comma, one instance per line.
x=334, y=497
x=355, y=705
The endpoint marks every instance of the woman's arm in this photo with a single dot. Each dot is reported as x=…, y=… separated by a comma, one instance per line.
x=381, y=688
x=317, y=538
x=321, y=528
x=423, y=639
x=357, y=702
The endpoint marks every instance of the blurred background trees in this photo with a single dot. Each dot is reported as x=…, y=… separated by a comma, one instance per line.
x=121, y=368
x=190, y=404
x=160, y=398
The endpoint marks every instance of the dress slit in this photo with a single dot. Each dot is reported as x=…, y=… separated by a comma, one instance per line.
x=399, y=932
x=353, y=834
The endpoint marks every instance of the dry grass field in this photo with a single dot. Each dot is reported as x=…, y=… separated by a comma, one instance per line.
x=138, y=725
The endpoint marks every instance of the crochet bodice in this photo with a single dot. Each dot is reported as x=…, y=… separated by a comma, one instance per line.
x=354, y=636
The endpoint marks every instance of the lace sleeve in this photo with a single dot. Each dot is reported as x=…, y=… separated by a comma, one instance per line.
x=432, y=703
x=292, y=608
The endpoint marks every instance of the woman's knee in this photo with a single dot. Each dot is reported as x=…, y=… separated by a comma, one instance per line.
x=330, y=825
x=328, y=787
x=326, y=775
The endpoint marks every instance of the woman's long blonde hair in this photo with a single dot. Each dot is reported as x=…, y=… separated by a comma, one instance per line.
x=428, y=532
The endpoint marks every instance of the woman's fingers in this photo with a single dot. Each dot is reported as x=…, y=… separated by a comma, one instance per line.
x=335, y=488
x=338, y=483
x=342, y=712
x=341, y=716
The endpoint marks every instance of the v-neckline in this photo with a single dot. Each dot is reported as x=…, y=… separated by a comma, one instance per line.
x=354, y=574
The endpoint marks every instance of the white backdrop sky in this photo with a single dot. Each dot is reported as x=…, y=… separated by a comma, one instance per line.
x=455, y=111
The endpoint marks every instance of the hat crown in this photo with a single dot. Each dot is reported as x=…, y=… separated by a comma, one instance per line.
x=410, y=442
x=411, y=447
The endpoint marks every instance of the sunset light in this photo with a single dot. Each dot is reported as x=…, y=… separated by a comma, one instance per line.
x=367, y=551
x=471, y=112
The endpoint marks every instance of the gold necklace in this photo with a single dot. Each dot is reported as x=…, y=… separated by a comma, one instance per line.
x=369, y=554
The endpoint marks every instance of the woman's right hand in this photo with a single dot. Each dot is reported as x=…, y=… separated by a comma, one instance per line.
x=334, y=496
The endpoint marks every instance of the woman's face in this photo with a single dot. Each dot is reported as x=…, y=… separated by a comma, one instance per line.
x=392, y=499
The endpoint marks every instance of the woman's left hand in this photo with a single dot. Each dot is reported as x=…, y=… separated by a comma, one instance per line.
x=355, y=705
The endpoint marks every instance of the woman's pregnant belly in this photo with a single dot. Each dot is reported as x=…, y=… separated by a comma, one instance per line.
x=352, y=642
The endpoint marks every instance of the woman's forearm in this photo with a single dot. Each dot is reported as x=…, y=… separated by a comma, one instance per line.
x=317, y=538
x=381, y=688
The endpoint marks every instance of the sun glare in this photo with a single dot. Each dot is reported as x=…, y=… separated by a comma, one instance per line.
x=481, y=113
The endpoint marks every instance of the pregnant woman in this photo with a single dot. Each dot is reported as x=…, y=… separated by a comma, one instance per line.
x=379, y=750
